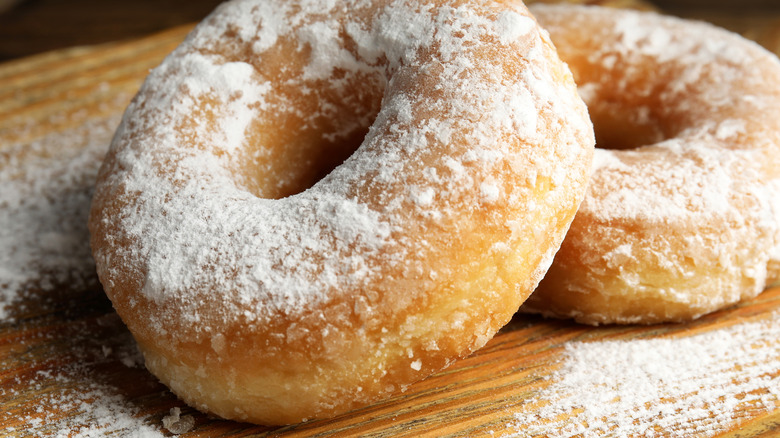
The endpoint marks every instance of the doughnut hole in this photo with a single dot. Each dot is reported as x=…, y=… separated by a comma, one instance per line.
x=313, y=147
x=308, y=126
x=635, y=114
x=619, y=126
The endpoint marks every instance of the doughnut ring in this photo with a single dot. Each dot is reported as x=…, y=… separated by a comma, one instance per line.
x=681, y=215
x=311, y=205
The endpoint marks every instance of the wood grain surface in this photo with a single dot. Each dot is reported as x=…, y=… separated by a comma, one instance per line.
x=64, y=354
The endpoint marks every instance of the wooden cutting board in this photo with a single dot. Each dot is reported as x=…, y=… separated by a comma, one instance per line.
x=68, y=366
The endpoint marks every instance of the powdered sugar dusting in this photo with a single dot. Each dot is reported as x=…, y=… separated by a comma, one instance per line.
x=675, y=386
x=676, y=185
x=225, y=90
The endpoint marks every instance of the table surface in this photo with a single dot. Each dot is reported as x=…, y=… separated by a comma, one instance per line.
x=68, y=366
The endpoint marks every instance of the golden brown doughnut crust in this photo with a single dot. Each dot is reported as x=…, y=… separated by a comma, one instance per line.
x=681, y=216
x=258, y=291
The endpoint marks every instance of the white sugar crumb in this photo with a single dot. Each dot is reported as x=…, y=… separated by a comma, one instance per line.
x=686, y=386
x=618, y=256
x=423, y=196
x=218, y=343
x=489, y=192
x=512, y=26
x=416, y=365
x=177, y=424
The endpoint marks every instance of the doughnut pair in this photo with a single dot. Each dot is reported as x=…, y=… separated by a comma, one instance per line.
x=311, y=205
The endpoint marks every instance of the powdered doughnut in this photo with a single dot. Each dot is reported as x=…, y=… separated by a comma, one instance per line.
x=681, y=215
x=258, y=291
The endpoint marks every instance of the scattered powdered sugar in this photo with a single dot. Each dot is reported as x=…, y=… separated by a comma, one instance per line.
x=44, y=203
x=47, y=186
x=93, y=410
x=672, y=386
x=489, y=192
x=69, y=394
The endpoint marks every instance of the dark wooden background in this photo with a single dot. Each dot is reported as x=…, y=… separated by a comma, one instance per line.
x=33, y=26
